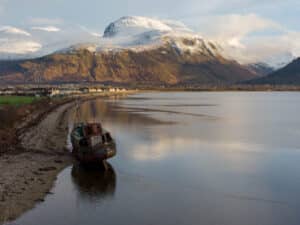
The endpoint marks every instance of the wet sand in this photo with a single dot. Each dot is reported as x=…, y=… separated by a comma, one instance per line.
x=27, y=175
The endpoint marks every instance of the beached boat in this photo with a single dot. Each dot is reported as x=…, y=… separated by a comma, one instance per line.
x=91, y=143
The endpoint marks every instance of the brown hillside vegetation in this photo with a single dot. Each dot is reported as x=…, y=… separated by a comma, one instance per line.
x=164, y=65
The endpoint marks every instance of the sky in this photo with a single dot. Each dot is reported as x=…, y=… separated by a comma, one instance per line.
x=251, y=29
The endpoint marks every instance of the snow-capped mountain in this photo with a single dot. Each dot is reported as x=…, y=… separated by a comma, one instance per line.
x=132, y=32
x=141, y=33
x=136, y=50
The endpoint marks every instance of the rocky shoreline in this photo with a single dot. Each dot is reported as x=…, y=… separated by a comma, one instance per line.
x=30, y=167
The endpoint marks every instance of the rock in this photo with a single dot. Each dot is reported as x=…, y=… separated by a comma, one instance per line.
x=45, y=169
x=40, y=200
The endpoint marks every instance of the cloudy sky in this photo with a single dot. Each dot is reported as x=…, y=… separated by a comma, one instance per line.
x=252, y=29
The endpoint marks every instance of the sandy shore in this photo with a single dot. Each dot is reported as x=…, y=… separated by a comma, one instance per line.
x=28, y=176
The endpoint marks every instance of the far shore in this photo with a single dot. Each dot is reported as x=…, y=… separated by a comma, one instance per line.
x=33, y=152
x=93, y=88
x=227, y=88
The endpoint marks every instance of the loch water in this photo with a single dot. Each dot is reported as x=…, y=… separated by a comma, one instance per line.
x=194, y=158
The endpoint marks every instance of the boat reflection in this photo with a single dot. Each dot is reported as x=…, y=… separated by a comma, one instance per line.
x=94, y=182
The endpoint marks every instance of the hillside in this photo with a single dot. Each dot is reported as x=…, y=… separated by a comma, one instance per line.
x=163, y=65
x=288, y=75
x=260, y=69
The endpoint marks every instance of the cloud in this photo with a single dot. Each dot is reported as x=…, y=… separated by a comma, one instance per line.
x=249, y=38
x=96, y=34
x=233, y=28
x=9, y=46
x=275, y=51
x=90, y=32
x=13, y=31
x=177, y=25
x=246, y=38
x=45, y=21
x=293, y=38
x=16, y=41
x=47, y=28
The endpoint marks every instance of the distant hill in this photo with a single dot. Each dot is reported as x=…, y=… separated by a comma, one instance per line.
x=288, y=75
x=261, y=69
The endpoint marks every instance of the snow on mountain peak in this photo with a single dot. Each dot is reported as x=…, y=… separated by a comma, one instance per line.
x=140, y=33
x=135, y=25
x=137, y=34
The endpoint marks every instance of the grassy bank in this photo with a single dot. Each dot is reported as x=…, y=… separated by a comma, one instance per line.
x=13, y=109
x=17, y=100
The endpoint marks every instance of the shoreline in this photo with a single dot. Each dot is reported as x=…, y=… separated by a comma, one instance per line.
x=28, y=173
x=266, y=88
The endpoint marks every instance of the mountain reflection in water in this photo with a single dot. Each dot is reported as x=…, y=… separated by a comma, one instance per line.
x=110, y=111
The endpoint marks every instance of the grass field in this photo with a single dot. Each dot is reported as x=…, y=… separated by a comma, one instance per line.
x=16, y=100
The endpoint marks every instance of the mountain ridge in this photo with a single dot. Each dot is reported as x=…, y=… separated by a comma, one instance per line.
x=288, y=75
x=163, y=65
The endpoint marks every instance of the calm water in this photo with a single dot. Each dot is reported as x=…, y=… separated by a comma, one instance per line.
x=187, y=158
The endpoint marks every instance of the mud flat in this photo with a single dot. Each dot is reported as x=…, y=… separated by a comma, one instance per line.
x=28, y=173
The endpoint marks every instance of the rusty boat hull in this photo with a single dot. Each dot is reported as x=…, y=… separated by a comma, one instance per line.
x=93, y=148
x=95, y=154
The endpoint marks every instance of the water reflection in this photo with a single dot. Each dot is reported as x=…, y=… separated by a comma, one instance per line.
x=94, y=182
x=239, y=169
x=112, y=112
